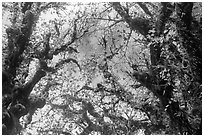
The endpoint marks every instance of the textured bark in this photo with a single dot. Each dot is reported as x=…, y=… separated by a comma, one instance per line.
x=15, y=98
x=155, y=83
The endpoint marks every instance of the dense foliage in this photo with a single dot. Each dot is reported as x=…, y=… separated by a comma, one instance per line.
x=102, y=68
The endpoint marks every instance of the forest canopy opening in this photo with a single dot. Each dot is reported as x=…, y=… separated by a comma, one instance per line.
x=106, y=68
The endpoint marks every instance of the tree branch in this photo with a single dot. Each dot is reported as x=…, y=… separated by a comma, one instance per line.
x=31, y=83
x=144, y=7
x=67, y=61
x=139, y=24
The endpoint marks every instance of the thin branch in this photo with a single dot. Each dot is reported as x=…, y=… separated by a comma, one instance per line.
x=59, y=64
